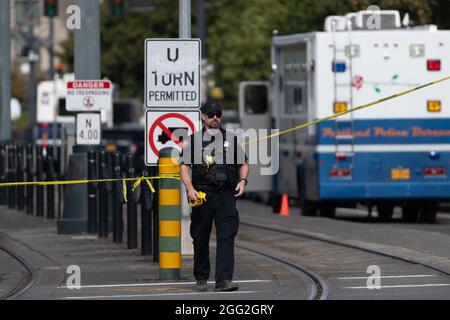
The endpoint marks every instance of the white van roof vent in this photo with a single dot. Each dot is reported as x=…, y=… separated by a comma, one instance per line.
x=338, y=21
x=364, y=20
x=378, y=20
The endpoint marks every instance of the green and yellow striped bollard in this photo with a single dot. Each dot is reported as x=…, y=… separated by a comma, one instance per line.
x=169, y=217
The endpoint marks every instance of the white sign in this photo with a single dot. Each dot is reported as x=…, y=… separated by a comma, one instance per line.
x=89, y=95
x=167, y=129
x=88, y=128
x=172, y=73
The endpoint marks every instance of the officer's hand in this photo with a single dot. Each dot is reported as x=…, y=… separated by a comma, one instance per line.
x=240, y=188
x=192, y=194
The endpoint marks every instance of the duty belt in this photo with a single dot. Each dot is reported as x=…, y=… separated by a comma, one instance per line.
x=211, y=189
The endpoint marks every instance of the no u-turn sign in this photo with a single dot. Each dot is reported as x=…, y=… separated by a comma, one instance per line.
x=168, y=129
x=172, y=73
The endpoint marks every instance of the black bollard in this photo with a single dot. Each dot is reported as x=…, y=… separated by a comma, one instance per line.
x=30, y=178
x=12, y=195
x=57, y=167
x=117, y=196
x=51, y=175
x=92, y=192
x=155, y=214
x=20, y=177
x=3, y=198
x=103, y=199
x=131, y=206
x=146, y=217
x=40, y=176
x=109, y=190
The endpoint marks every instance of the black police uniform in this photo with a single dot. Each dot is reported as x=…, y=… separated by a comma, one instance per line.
x=218, y=181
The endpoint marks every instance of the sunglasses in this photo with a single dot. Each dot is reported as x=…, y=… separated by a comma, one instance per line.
x=211, y=114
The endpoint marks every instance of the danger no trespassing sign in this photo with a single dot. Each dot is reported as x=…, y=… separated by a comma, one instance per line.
x=89, y=95
x=172, y=73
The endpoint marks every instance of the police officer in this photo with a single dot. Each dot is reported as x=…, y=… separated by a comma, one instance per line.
x=219, y=169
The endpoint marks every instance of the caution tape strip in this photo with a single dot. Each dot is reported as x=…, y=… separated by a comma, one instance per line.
x=345, y=112
x=85, y=181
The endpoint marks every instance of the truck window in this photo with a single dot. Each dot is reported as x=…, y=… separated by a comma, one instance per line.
x=256, y=101
x=294, y=99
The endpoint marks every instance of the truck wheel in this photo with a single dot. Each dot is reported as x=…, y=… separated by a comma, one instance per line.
x=308, y=208
x=385, y=211
x=410, y=212
x=428, y=213
x=327, y=210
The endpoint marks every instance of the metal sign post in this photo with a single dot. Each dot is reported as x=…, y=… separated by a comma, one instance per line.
x=5, y=71
x=87, y=67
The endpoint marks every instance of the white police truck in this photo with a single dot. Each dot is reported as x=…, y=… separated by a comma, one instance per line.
x=396, y=153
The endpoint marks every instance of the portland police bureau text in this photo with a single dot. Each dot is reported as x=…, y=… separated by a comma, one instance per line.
x=231, y=309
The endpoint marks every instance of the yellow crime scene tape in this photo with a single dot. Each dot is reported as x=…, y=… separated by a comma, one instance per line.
x=200, y=201
x=348, y=111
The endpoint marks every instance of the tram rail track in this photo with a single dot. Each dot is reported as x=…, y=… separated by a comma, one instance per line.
x=318, y=288
x=343, y=243
x=28, y=282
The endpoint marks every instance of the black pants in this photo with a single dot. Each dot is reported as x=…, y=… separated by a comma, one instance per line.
x=220, y=207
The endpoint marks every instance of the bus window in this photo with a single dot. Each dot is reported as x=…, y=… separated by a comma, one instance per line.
x=256, y=101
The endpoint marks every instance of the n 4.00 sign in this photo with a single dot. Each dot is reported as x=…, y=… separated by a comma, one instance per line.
x=88, y=128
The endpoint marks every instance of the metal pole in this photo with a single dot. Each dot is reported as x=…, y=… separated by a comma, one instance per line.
x=5, y=70
x=92, y=192
x=51, y=176
x=51, y=27
x=155, y=215
x=103, y=200
x=11, y=176
x=201, y=25
x=20, y=177
x=146, y=218
x=30, y=175
x=117, y=206
x=131, y=206
x=87, y=67
x=39, y=177
x=32, y=56
x=3, y=198
x=185, y=19
x=87, y=41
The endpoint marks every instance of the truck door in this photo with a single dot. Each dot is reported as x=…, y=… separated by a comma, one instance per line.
x=254, y=113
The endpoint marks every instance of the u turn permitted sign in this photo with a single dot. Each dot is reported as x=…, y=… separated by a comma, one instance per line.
x=172, y=73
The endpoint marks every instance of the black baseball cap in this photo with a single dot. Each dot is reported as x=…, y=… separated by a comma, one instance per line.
x=210, y=106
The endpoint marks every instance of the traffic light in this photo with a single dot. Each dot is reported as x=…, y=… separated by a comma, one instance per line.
x=50, y=8
x=118, y=8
